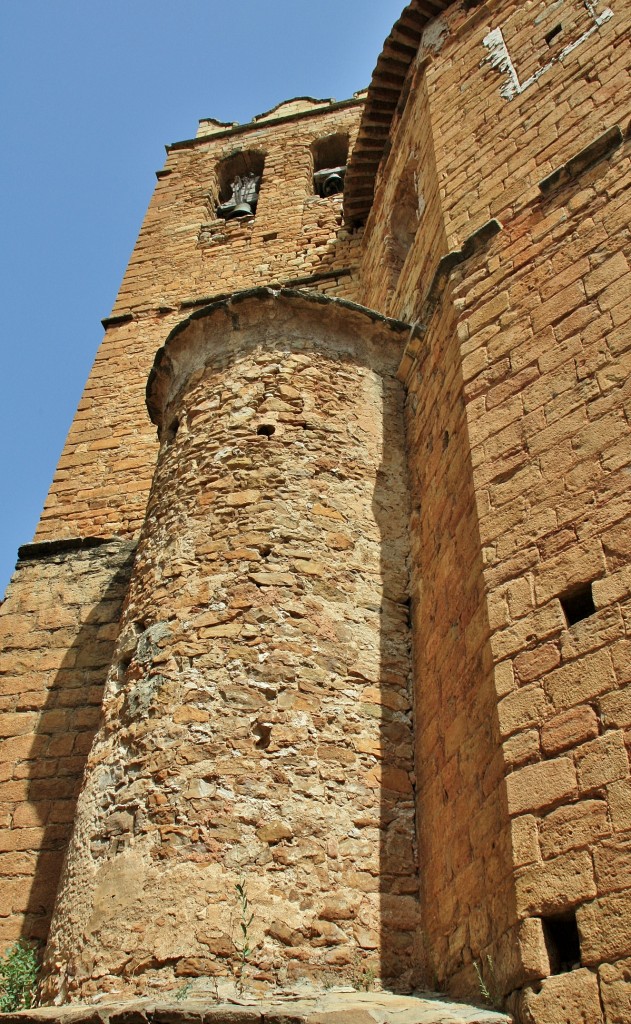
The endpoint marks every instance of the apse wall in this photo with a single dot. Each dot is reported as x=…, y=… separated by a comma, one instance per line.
x=257, y=717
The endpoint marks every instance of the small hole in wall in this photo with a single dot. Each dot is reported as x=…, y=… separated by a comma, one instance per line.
x=172, y=429
x=562, y=942
x=121, y=673
x=578, y=603
x=263, y=734
x=266, y=429
x=552, y=34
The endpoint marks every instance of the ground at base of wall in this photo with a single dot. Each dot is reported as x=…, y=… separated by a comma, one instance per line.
x=335, y=1006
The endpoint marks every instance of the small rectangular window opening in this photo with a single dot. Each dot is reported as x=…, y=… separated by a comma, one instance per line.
x=577, y=603
x=552, y=34
x=562, y=942
x=330, y=155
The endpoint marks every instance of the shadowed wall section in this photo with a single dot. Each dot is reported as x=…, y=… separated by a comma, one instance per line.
x=59, y=624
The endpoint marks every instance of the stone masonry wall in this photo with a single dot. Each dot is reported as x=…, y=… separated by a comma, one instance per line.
x=494, y=144
x=259, y=696
x=541, y=367
x=104, y=474
x=257, y=718
x=184, y=254
x=463, y=824
x=546, y=346
x=58, y=625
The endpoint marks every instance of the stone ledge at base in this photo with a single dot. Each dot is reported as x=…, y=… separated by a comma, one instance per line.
x=332, y=1007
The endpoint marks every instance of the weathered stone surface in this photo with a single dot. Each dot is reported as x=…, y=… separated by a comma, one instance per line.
x=262, y=742
x=539, y=786
x=555, y=885
x=50, y=697
x=302, y=1007
x=569, y=997
x=615, y=988
x=265, y=674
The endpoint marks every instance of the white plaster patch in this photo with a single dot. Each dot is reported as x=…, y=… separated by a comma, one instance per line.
x=500, y=59
x=434, y=35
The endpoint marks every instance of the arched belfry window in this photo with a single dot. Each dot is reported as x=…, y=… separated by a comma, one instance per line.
x=330, y=156
x=239, y=182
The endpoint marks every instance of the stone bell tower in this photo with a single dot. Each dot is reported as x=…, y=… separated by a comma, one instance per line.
x=352, y=633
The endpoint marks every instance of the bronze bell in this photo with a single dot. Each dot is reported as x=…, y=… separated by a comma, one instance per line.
x=241, y=210
x=333, y=184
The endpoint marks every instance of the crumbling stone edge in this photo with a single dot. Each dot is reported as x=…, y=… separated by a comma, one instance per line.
x=151, y=1013
x=238, y=129
x=264, y=293
x=47, y=548
x=296, y=282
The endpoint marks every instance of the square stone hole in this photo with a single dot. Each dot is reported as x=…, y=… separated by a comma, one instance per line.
x=562, y=942
x=577, y=603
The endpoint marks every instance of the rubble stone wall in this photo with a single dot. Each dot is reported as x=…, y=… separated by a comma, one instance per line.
x=58, y=624
x=257, y=725
x=51, y=690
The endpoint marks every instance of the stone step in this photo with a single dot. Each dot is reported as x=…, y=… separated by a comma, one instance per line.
x=332, y=1007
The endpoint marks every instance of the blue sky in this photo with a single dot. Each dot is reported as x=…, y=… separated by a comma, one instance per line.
x=90, y=92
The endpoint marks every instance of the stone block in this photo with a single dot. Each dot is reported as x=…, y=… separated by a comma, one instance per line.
x=612, y=861
x=604, y=926
x=19, y=724
x=619, y=798
x=602, y=761
x=537, y=787
x=533, y=953
x=522, y=708
x=555, y=885
x=522, y=748
x=574, y=826
x=532, y=665
x=615, y=709
x=571, y=998
x=580, y=680
x=568, y=729
x=615, y=990
x=608, y=271
x=525, y=840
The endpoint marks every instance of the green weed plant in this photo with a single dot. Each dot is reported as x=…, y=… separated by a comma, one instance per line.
x=19, y=968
